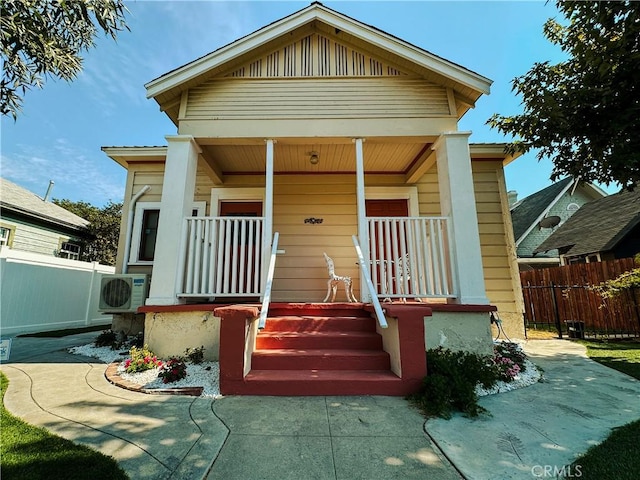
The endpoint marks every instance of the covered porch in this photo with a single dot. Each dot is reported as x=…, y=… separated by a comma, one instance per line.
x=218, y=258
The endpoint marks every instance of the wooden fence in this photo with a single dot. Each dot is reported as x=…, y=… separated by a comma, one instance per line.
x=561, y=299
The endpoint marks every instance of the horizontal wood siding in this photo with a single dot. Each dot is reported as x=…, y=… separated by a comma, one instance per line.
x=317, y=98
x=301, y=273
x=499, y=274
x=29, y=238
x=498, y=253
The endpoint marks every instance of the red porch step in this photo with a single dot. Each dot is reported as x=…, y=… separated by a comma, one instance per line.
x=319, y=340
x=320, y=350
x=323, y=382
x=319, y=359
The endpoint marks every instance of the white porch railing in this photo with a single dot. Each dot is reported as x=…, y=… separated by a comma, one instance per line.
x=223, y=257
x=266, y=300
x=410, y=257
x=382, y=321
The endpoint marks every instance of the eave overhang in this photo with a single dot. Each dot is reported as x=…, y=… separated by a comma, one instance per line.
x=172, y=83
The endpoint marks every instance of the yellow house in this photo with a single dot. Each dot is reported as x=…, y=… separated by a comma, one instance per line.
x=319, y=134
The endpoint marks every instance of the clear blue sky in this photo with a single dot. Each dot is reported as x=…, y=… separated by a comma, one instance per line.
x=60, y=131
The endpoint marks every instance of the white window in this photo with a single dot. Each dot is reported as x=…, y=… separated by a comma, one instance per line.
x=145, y=230
x=69, y=250
x=5, y=233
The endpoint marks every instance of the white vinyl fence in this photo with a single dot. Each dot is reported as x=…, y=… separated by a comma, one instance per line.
x=39, y=293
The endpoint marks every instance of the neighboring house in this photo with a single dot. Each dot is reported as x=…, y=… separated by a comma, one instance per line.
x=33, y=224
x=320, y=129
x=537, y=216
x=605, y=229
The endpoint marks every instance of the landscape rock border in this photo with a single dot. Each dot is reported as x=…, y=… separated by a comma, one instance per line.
x=111, y=374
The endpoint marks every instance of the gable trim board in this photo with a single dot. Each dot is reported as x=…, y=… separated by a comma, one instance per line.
x=207, y=66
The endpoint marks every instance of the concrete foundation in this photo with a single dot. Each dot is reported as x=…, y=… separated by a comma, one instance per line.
x=169, y=334
x=467, y=331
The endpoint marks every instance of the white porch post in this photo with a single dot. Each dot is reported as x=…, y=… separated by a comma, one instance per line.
x=363, y=229
x=457, y=201
x=267, y=212
x=178, y=189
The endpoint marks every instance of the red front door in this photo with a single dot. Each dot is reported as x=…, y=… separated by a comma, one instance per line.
x=384, y=272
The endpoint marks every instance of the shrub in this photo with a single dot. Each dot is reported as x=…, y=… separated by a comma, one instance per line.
x=173, y=370
x=137, y=340
x=452, y=377
x=451, y=381
x=195, y=355
x=141, y=359
x=508, y=360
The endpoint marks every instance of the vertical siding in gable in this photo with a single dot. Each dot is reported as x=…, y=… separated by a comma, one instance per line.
x=317, y=56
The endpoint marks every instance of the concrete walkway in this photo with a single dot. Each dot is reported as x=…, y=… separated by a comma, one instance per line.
x=536, y=431
x=245, y=438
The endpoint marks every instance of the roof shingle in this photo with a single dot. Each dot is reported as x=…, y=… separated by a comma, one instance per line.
x=21, y=200
x=598, y=226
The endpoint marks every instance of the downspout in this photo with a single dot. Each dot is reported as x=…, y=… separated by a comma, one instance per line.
x=132, y=209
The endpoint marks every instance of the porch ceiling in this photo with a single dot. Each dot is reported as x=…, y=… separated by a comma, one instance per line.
x=333, y=157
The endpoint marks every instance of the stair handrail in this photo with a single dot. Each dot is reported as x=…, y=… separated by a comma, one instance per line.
x=382, y=321
x=266, y=300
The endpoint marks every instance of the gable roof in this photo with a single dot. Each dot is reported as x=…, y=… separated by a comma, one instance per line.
x=598, y=226
x=526, y=213
x=21, y=201
x=169, y=86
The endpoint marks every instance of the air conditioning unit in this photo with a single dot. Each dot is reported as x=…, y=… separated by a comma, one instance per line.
x=123, y=293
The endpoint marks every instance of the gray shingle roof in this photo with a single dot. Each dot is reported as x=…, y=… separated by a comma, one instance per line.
x=598, y=226
x=20, y=200
x=529, y=209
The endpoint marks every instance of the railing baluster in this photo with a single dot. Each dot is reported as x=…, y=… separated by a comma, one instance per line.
x=223, y=257
x=190, y=259
x=411, y=256
x=257, y=257
x=197, y=257
x=213, y=260
x=244, y=246
x=206, y=252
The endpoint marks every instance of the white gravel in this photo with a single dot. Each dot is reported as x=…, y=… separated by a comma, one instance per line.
x=530, y=376
x=205, y=374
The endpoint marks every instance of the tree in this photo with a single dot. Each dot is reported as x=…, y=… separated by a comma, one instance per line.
x=104, y=227
x=584, y=113
x=44, y=38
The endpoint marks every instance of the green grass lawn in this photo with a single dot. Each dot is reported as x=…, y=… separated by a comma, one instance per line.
x=32, y=453
x=618, y=457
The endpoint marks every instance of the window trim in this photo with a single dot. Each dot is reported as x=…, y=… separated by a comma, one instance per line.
x=10, y=236
x=70, y=255
x=409, y=193
x=240, y=194
x=136, y=234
